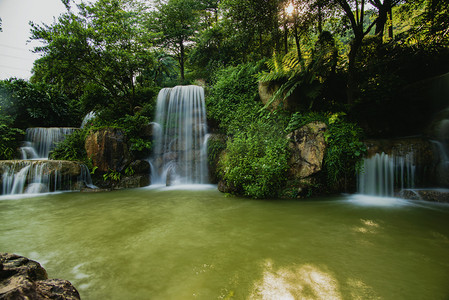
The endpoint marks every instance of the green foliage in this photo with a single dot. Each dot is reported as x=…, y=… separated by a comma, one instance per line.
x=105, y=44
x=345, y=148
x=72, y=147
x=298, y=74
x=129, y=171
x=9, y=138
x=214, y=148
x=33, y=105
x=112, y=175
x=177, y=21
x=256, y=160
x=233, y=100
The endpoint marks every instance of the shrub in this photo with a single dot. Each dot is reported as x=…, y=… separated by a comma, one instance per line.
x=233, y=99
x=8, y=138
x=256, y=160
x=72, y=147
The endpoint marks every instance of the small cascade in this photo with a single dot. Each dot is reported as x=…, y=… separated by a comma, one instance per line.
x=383, y=174
x=87, y=118
x=40, y=141
x=180, y=156
x=35, y=176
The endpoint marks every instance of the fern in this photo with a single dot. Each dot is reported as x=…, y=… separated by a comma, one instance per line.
x=294, y=72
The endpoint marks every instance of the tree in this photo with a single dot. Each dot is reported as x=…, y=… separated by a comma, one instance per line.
x=256, y=23
x=385, y=13
x=104, y=44
x=177, y=21
x=355, y=12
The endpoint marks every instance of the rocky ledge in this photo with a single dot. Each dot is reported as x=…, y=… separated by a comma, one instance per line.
x=434, y=195
x=22, y=278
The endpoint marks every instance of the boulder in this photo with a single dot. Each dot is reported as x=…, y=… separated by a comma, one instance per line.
x=307, y=146
x=21, y=278
x=427, y=156
x=108, y=150
x=434, y=195
x=133, y=181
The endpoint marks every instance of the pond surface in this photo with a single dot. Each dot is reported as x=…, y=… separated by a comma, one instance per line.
x=198, y=244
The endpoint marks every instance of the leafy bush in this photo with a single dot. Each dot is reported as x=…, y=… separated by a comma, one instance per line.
x=345, y=148
x=256, y=160
x=72, y=147
x=40, y=104
x=8, y=138
x=233, y=100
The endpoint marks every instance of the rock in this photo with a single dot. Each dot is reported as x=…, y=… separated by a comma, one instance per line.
x=38, y=176
x=133, y=181
x=216, y=146
x=266, y=91
x=307, y=145
x=429, y=165
x=140, y=166
x=21, y=278
x=108, y=150
x=434, y=195
x=225, y=187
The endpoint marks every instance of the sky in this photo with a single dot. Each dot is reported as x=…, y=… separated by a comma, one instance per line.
x=16, y=58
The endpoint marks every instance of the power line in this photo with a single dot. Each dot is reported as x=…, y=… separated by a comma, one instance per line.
x=16, y=57
x=20, y=69
x=15, y=48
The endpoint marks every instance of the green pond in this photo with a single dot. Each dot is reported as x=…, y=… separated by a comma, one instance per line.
x=154, y=243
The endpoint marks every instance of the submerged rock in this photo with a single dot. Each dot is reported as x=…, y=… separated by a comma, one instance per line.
x=21, y=278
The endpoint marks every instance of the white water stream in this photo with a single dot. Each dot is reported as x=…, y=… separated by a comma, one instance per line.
x=180, y=156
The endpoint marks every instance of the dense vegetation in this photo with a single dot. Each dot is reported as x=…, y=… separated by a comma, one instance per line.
x=342, y=62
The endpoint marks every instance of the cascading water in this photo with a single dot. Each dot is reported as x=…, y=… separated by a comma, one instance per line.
x=40, y=141
x=40, y=176
x=382, y=174
x=179, y=155
x=35, y=173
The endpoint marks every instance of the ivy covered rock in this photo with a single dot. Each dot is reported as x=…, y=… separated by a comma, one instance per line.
x=22, y=278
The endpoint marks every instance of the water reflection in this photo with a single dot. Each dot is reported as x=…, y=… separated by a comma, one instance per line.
x=296, y=282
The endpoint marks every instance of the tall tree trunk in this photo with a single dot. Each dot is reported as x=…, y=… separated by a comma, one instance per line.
x=285, y=37
x=390, y=27
x=320, y=19
x=298, y=47
x=381, y=21
x=352, y=78
x=181, y=60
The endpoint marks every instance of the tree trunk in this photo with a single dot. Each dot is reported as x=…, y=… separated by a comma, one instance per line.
x=352, y=78
x=320, y=20
x=390, y=27
x=381, y=21
x=285, y=37
x=181, y=60
x=298, y=48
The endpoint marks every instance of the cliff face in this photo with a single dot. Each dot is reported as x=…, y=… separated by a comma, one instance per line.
x=115, y=167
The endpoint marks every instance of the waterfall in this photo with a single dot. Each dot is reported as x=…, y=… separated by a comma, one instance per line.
x=382, y=174
x=40, y=141
x=179, y=155
x=33, y=176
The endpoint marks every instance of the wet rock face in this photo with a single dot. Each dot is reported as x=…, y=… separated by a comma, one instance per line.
x=307, y=145
x=108, y=150
x=21, y=278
